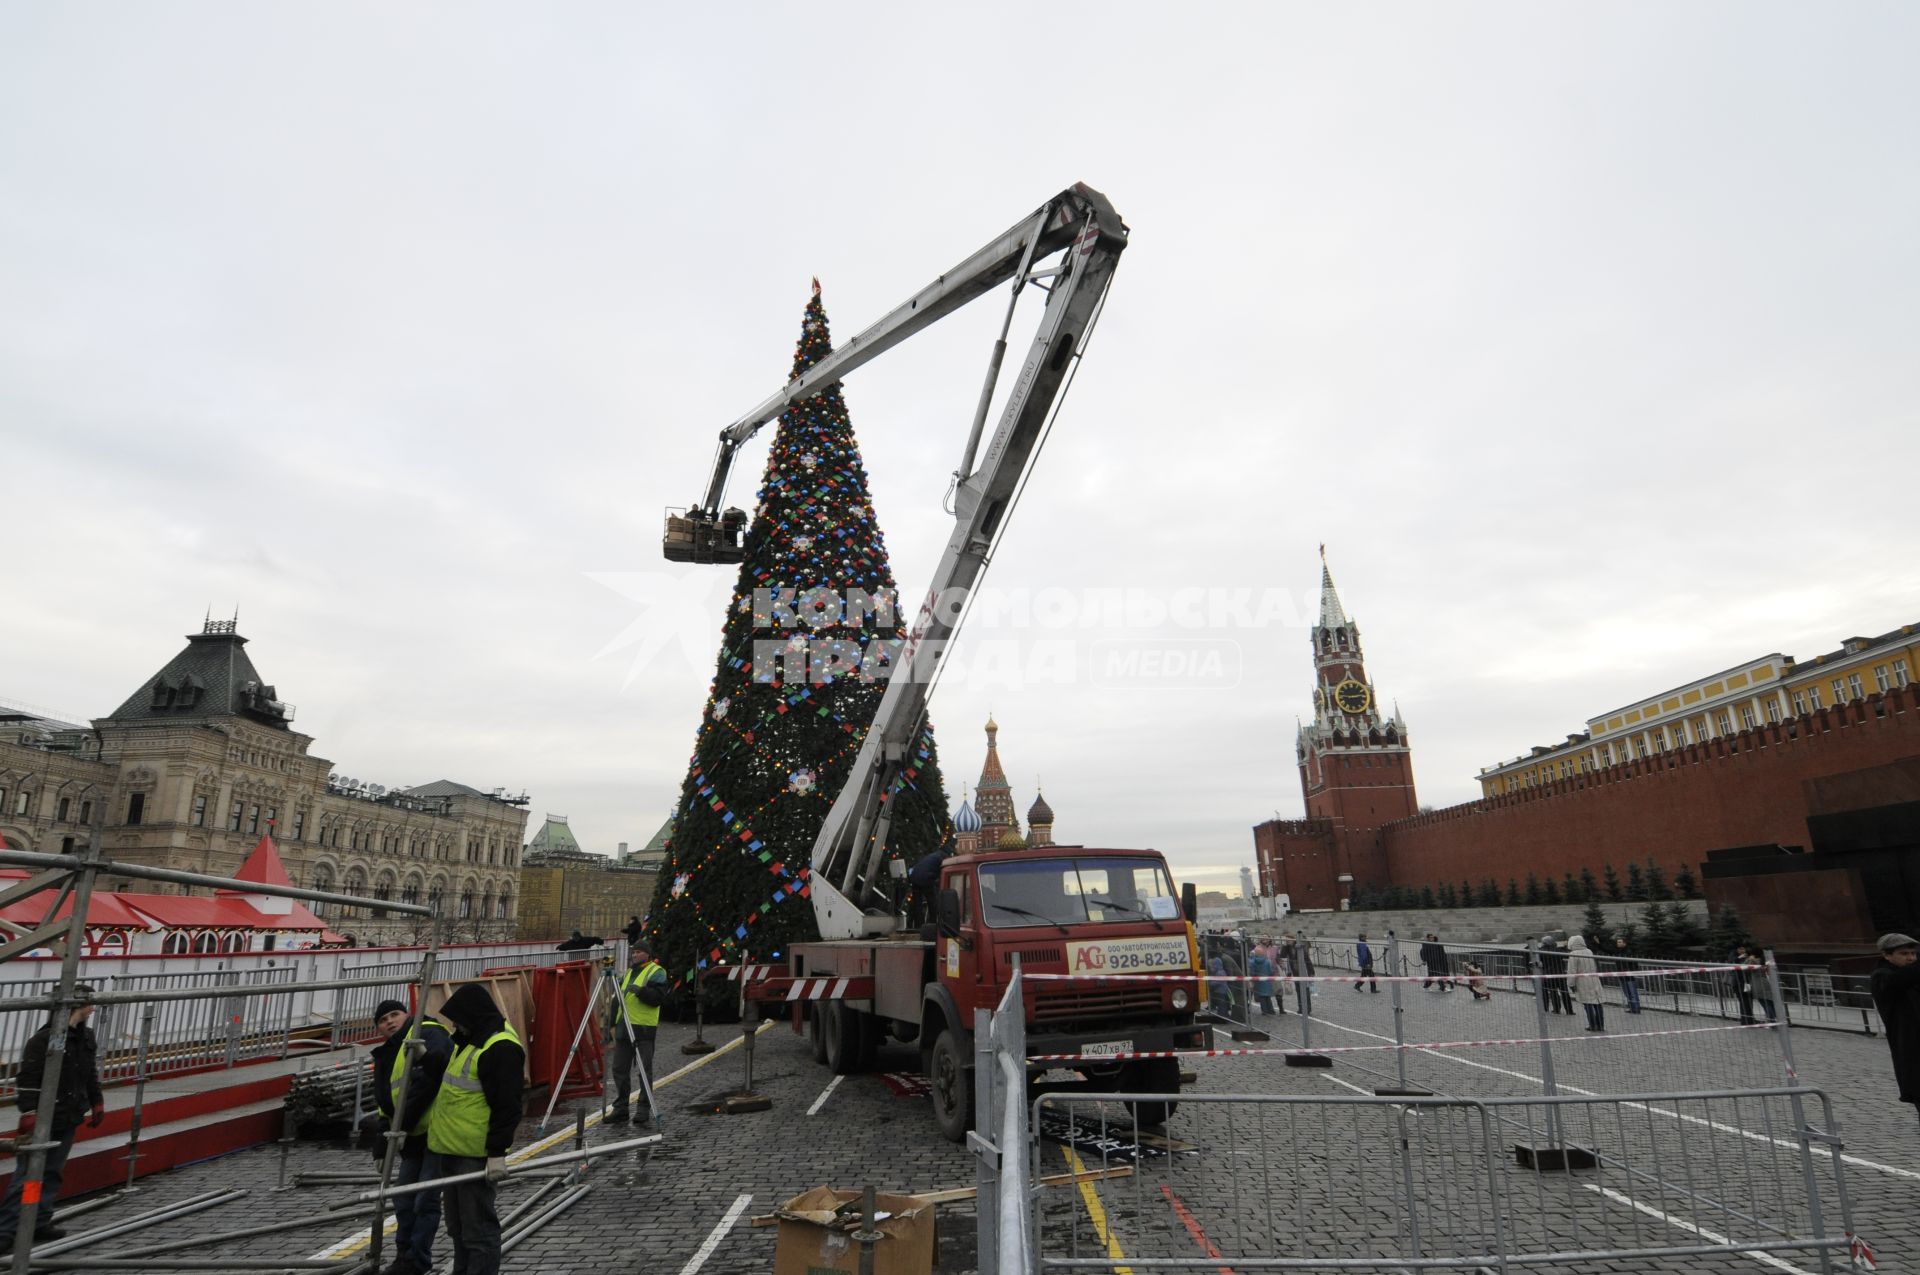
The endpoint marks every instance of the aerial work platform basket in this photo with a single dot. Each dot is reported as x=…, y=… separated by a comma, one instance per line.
x=694, y=535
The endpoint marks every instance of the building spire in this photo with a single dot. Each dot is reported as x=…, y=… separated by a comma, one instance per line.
x=1332, y=614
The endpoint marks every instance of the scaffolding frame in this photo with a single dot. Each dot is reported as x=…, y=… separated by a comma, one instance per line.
x=74, y=880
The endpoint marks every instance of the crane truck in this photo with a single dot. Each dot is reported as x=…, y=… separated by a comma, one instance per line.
x=1059, y=909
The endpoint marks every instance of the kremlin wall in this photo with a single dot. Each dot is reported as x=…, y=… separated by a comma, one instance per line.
x=1761, y=792
x=1808, y=822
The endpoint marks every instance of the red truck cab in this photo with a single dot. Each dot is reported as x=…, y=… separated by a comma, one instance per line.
x=1055, y=910
x=1063, y=910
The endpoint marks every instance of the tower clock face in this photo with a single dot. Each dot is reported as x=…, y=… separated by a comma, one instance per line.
x=1352, y=696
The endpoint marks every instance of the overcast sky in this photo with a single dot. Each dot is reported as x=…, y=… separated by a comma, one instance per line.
x=1583, y=336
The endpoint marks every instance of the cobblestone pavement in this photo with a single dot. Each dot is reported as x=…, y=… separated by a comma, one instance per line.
x=1333, y=1174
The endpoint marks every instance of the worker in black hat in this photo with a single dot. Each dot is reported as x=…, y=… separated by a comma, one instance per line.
x=1896, y=994
x=635, y=1024
x=79, y=1101
x=416, y=1213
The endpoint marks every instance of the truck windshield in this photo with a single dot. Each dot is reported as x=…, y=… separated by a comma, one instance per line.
x=1076, y=891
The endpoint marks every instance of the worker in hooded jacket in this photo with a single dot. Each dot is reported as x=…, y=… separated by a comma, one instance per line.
x=472, y=1121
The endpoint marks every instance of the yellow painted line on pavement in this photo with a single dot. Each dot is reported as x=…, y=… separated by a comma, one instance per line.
x=348, y=1247
x=1091, y=1199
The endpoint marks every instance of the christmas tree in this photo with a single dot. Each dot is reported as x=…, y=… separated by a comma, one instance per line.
x=806, y=646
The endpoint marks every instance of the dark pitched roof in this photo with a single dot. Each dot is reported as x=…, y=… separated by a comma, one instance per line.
x=212, y=677
x=444, y=788
x=1859, y=646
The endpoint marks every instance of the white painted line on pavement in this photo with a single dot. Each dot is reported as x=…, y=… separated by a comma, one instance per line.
x=725, y=1224
x=825, y=1094
x=1893, y=1170
x=1710, y=1237
x=1347, y=1085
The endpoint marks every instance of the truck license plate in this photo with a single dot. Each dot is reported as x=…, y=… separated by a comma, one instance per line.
x=1107, y=1048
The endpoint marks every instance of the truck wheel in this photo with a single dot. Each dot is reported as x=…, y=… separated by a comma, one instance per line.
x=816, y=1033
x=840, y=1033
x=952, y=1083
x=873, y=1033
x=1152, y=1075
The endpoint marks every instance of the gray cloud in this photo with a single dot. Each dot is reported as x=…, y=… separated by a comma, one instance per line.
x=1584, y=338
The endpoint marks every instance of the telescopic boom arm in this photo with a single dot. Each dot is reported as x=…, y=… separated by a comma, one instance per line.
x=1080, y=226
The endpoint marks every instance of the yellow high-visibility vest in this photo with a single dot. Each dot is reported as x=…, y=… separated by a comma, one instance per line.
x=399, y=1067
x=457, y=1121
x=639, y=1013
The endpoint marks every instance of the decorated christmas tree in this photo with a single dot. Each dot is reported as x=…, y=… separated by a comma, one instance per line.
x=808, y=638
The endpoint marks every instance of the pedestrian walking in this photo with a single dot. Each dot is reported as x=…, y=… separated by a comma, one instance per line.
x=1296, y=962
x=633, y=930
x=1583, y=972
x=1236, y=986
x=78, y=1101
x=635, y=1025
x=1752, y=985
x=1219, y=999
x=1553, y=965
x=1363, y=957
x=471, y=1123
x=1629, y=985
x=1433, y=955
x=416, y=1213
x=1895, y=986
x=1260, y=966
x=1477, y=982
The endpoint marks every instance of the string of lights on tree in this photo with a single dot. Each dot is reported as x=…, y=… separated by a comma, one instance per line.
x=772, y=750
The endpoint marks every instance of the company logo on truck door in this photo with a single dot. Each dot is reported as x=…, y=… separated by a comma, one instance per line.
x=1122, y=956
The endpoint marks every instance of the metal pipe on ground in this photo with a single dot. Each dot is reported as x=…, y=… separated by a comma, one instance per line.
x=525, y=1206
x=97, y=1202
x=208, y=1265
x=222, y=1237
x=519, y=1170
x=164, y=1213
x=352, y=1202
x=559, y=1206
x=509, y=1235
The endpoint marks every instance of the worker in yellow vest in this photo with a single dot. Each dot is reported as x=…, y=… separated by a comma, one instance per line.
x=416, y=1213
x=472, y=1121
x=641, y=992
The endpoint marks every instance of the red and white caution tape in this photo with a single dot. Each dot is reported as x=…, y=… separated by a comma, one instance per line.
x=1187, y=976
x=1369, y=1049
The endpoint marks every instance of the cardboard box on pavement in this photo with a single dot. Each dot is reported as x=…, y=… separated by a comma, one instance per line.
x=814, y=1239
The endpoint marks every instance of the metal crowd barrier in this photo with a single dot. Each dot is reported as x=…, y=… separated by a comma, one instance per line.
x=1481, y=1026
x=192, y=1035
x=1810, y=997
x=1263, y=1181
x=187, y=1035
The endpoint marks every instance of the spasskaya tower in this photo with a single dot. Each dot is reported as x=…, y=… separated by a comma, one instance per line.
x=1356, y=774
